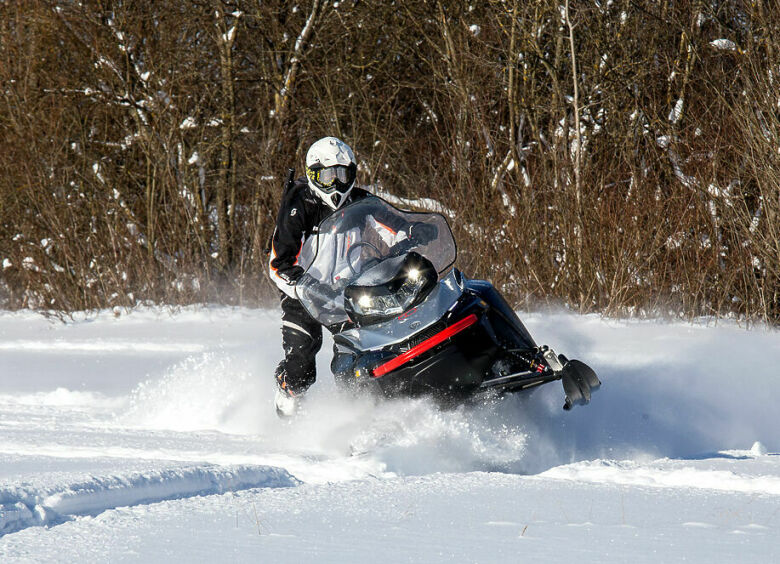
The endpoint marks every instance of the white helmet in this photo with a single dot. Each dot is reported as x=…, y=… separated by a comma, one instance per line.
x=331, y=170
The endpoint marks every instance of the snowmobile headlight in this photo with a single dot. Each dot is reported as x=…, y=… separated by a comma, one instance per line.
x=377, y=305
x=410, y=288
x=407, y=281
x=381, y=303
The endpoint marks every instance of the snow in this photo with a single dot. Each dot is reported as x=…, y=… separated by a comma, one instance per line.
x=229, y=36
x=94, y=495
x=188, y=123
x=420, y=203
x=676, y=112
x=662, y=474
x=151, y=437
x=724, y=44
x=28, y=263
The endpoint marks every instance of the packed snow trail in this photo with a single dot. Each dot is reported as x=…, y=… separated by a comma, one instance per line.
x=140, y=423
x=27, y=506
x=439, y=518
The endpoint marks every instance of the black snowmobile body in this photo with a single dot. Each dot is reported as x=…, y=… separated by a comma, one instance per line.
x=406, y=324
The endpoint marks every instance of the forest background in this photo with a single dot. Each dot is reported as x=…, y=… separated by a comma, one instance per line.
x=619, y=156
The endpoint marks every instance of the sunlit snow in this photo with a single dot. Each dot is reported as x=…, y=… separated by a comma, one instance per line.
x=150, y=436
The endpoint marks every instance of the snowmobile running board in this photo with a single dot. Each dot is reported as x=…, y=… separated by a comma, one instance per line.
x=520, y=381
x=579, y=382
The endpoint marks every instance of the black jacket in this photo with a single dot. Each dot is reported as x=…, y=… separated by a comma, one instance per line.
x=300, y=213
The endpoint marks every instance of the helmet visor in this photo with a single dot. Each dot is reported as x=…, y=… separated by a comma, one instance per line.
x=338, y=177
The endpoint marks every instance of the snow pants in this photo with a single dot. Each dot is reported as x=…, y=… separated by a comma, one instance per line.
x=301, y=340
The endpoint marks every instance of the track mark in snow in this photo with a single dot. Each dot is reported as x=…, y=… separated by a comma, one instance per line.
x=62, y=397
x=635, y=474
x=101, y=346
x=22, y=507
x=756, y=527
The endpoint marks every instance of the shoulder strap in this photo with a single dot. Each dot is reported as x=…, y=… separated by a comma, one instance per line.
x=290, y=179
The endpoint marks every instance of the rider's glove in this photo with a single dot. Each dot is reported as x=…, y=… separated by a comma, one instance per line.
x=422, y=233
x=291, y=275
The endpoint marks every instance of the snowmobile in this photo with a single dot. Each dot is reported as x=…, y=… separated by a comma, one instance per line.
x=405, y=322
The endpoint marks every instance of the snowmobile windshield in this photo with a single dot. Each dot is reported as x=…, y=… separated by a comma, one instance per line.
x=365, y=243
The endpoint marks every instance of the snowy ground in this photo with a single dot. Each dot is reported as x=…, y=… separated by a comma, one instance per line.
x=151, y=437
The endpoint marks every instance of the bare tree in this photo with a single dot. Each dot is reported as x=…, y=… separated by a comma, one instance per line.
x=615, y=156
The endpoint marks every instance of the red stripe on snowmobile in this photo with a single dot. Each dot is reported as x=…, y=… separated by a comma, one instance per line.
x=426, y=345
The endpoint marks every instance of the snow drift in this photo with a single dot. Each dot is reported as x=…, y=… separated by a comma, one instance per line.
x=25, y=506
x=169, y=430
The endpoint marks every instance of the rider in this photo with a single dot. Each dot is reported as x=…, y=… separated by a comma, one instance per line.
x=329, y=184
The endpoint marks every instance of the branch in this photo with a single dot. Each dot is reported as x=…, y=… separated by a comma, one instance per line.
x=283, y=97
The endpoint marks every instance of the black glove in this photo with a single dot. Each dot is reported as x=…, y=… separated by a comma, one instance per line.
x=321, y=296
x=421, y=233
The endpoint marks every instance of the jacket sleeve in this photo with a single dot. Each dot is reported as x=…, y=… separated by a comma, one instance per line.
x=391, y=222
x=286, y=244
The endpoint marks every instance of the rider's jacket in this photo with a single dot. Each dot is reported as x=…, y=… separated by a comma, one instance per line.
x=299, y=215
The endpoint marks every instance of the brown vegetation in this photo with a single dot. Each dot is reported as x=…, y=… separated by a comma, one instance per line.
x=615, y=156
